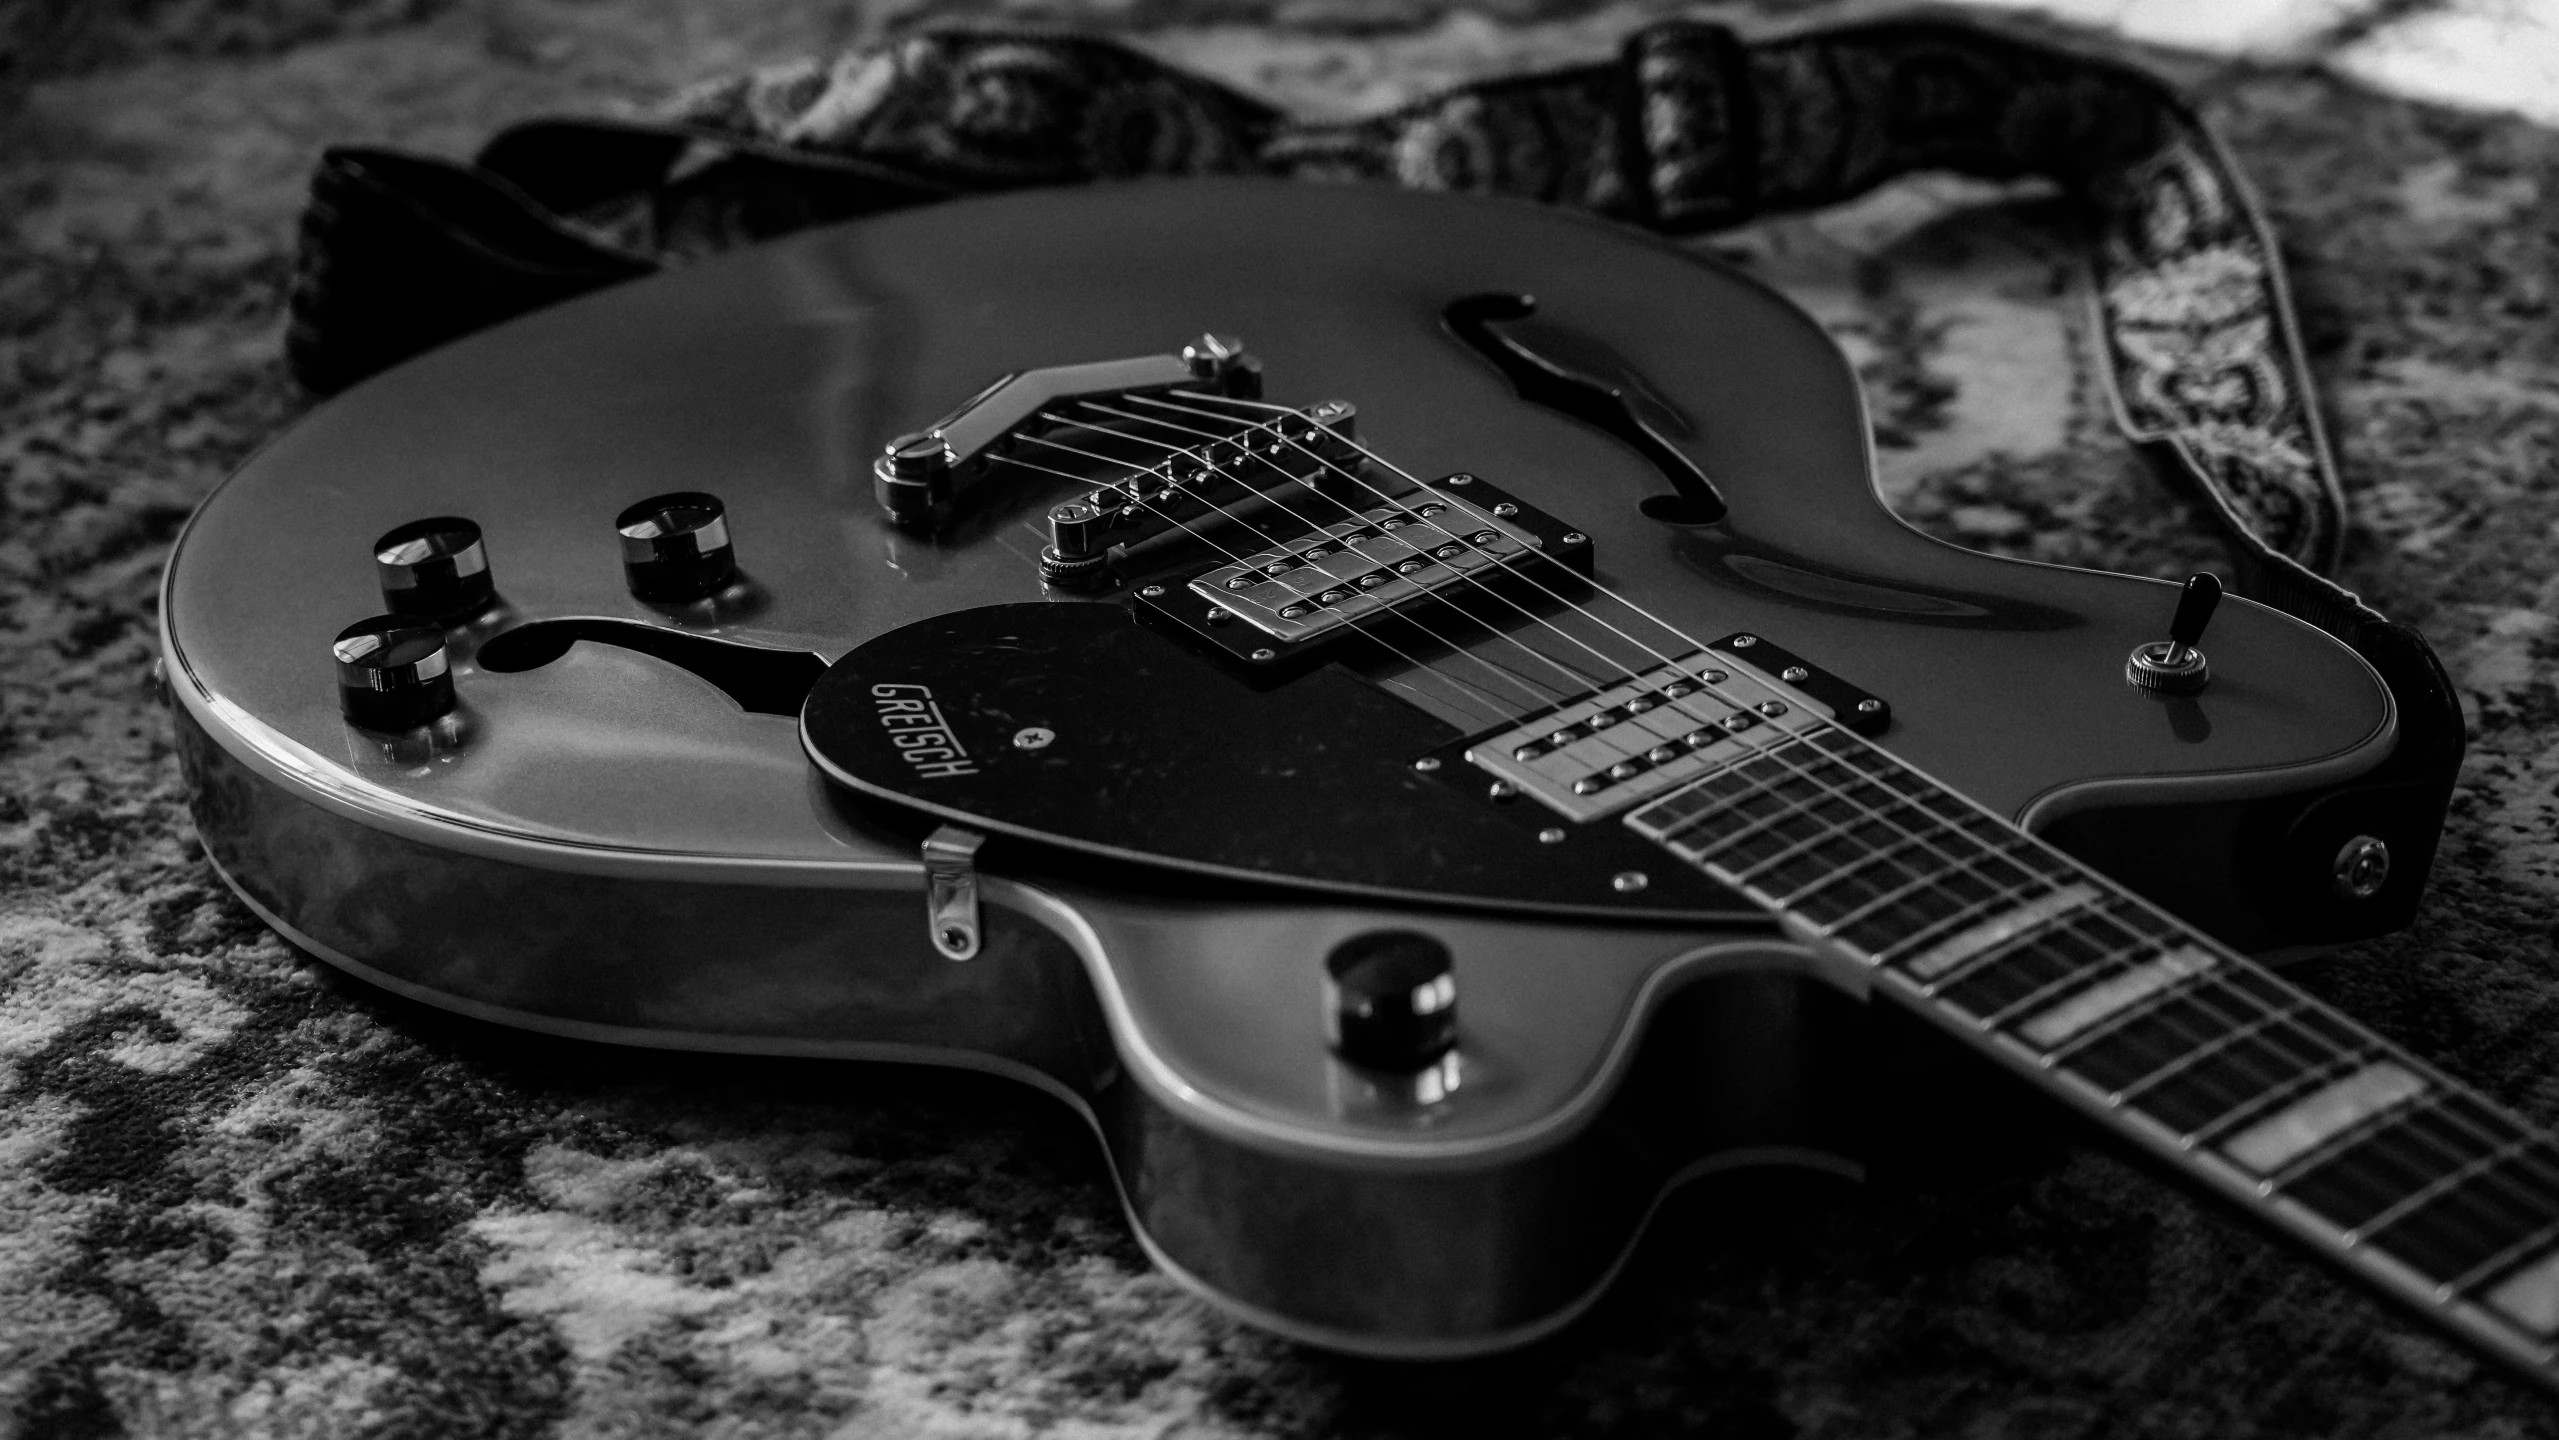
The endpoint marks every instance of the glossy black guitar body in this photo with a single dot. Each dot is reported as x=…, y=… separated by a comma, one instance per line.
x=621, y=834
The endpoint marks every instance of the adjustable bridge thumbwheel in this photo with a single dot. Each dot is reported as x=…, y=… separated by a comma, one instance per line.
x=1390, y=1001
x=2174, y=666
x=434, y=569
x=675, y=547
x=393, y=673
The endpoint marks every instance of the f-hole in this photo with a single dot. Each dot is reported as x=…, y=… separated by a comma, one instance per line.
x=759, y=678
x=1596, y=402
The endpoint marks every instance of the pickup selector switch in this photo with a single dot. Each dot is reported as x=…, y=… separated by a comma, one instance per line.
x=434, y=569
x=2174, y=666
x=675, y=547
x=393, y=673
x=1390, y=1000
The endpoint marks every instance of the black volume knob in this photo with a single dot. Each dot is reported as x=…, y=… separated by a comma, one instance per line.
x=1390, y=1000
x=434, y=569
x=675, y=548
x=393, y=673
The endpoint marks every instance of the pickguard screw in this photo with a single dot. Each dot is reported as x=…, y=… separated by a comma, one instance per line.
x=1427, y=764
x=1744, y=642
x=1218, y=615
x=1869, y=707
x=1794, y=674
x=1551, y=835
x=1461, y=478
x=1265, y=654
x=1153, y=592
x=1627, y=882
x=1502, y=790
x=1033, y=737
x=1574, y=537
x=1506, y=510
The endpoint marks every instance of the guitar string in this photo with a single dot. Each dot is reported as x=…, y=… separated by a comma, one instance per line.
x=2494, y=1156
x=1499, y=710
x=1494, y=705
x=2113, y=950
x=1766, y=750
x=1580, y=682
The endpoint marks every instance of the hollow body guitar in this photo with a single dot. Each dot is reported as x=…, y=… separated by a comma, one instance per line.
x=1421, y=782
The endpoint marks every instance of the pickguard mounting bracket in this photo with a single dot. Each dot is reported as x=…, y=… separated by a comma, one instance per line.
x=950, y=892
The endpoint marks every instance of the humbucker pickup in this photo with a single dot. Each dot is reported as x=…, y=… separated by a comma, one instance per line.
x=1641, y=737
x=1371, y=562
x=1458, y=541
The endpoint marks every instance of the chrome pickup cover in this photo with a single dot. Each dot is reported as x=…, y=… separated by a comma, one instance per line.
x=1386, y=555
x=1645, y=735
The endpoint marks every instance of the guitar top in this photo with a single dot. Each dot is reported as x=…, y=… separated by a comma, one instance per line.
x=1327, y=681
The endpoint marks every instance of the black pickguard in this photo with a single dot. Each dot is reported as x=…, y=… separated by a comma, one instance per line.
x=1162, y=756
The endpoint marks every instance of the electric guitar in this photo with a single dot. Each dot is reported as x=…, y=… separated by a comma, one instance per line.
x=1404, y=711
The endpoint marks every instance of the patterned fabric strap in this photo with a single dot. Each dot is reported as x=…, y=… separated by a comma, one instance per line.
x=1689, y=129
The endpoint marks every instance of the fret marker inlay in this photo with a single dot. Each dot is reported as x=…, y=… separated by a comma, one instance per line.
x=1957, y=948
x=2310, y=1121
x=2530, y=1296
x=2110, y=997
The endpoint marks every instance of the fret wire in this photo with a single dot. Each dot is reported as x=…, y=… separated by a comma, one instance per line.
x=2355, y=1182
x=2371, y=1127
x=2115, y=1023
x=2036, y=876
x=2036, y=880
x=1937, y=930
x=2090, y=974
x=1926, y=831
x=2291, y=1087
x=1919, y=941
x=2456, y=1228
x=1864, y=816
x=2132, y=1093
x=2031, y=967
x=1897, y=893
x=1804, y=847
x=2442, y=1185
x=2532, y=1246
x=1834, y=741
x=1983, y=856
x=1852, y=871
x=2096, y=909
x=1767, y=823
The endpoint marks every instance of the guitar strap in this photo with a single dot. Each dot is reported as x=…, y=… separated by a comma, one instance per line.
x=1691, y=128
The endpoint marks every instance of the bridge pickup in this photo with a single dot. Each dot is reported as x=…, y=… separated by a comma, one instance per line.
x=1456, y=541
x=1614, y=747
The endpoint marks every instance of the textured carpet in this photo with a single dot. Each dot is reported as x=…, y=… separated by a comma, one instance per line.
x=240, y=1195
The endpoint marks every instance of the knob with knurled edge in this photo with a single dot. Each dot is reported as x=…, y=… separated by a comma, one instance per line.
x=676, y=547
x=434, y=569
x=393, y=673
x=1390, y=1000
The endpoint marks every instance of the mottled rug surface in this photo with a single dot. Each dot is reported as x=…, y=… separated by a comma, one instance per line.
x=242, y=1195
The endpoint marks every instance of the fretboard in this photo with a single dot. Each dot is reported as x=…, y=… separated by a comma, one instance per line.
x=2199, y=1055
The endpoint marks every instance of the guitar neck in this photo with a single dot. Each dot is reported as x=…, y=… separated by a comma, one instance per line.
x=2180, y=1044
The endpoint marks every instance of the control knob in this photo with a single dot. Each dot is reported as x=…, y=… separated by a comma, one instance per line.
x=1390, y=1000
